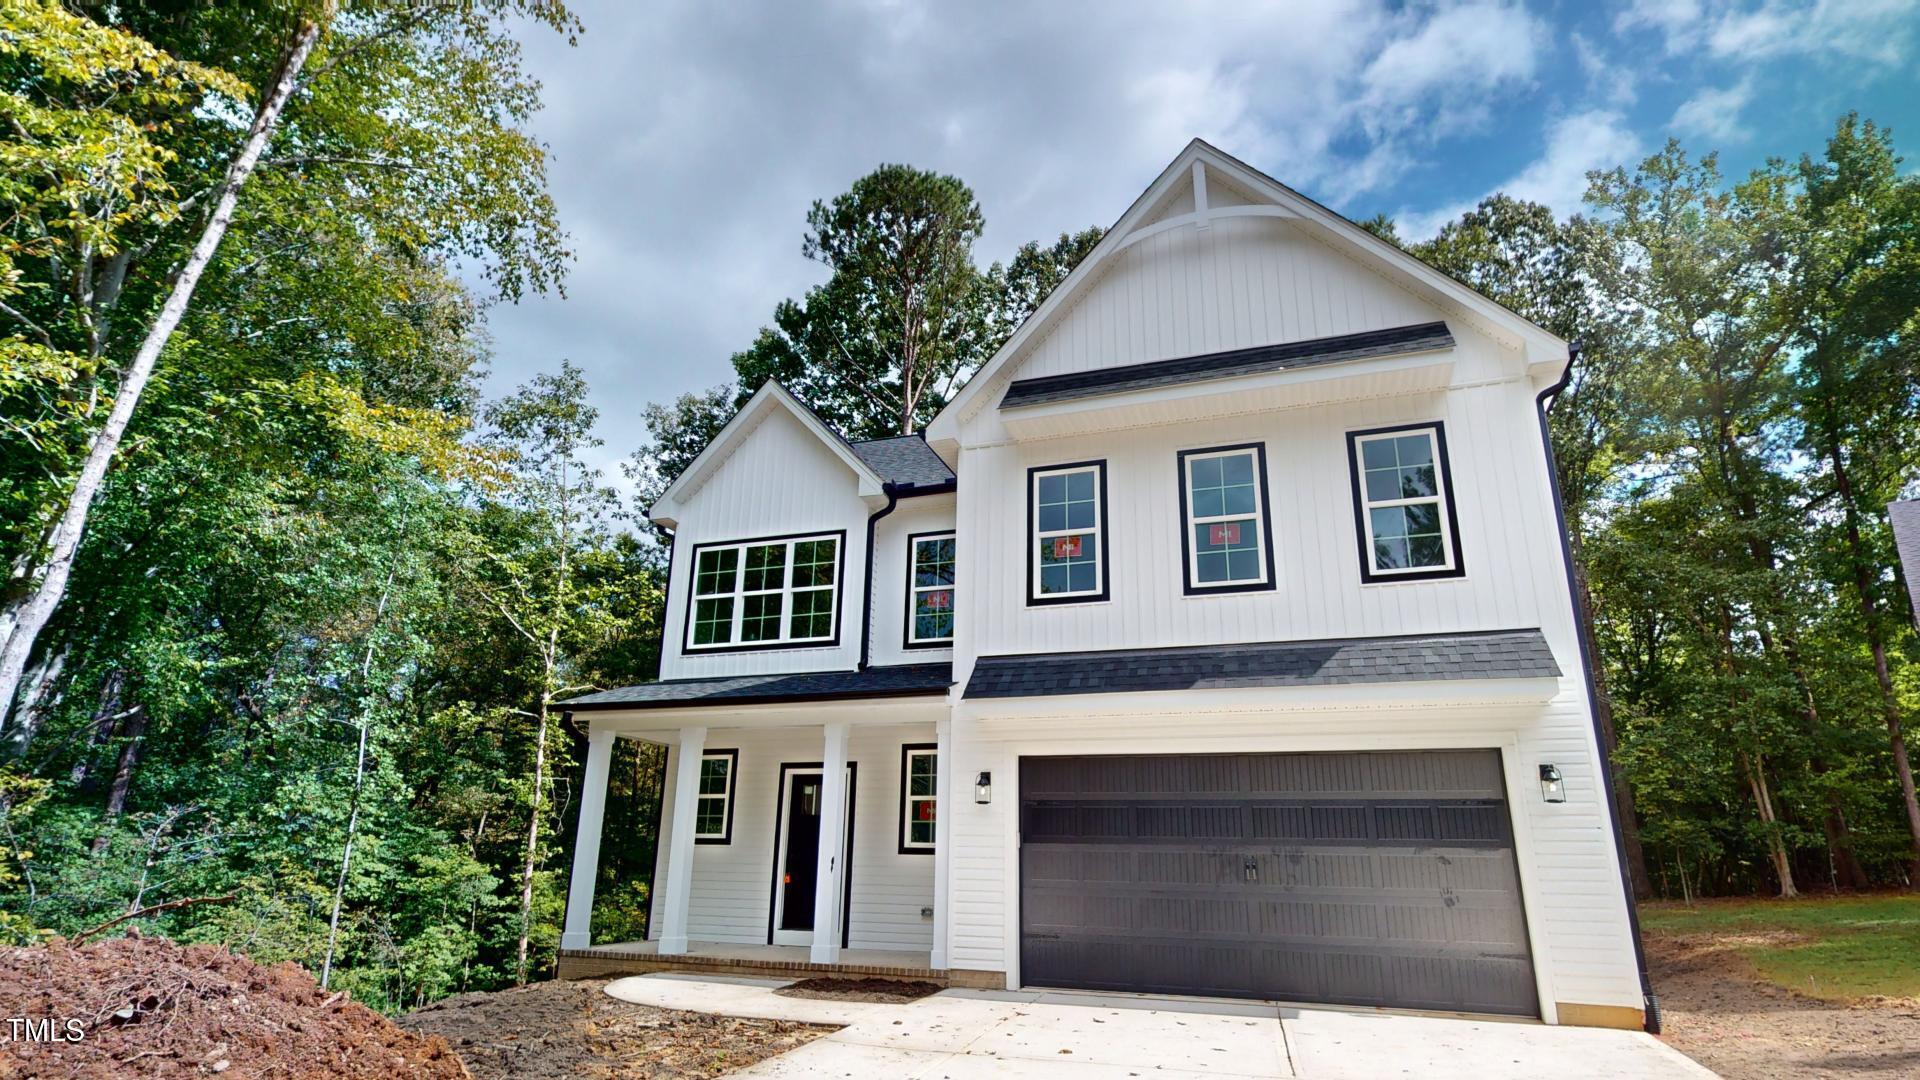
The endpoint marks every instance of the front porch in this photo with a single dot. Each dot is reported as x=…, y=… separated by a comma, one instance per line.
x=762, y=961
x=796, y=836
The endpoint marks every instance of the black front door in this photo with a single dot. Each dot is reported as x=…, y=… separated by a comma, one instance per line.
x=803, y=853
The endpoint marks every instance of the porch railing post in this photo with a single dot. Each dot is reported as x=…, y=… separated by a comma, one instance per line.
x=686, y=801
x=830, y=873
x=578, y=933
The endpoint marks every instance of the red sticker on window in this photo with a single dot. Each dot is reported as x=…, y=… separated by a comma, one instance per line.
x=1066, y=547
x=940, y=601
x=923, y=811
x=1228, y=534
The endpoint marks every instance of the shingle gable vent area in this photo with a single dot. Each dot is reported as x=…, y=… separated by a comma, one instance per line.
x=1505, y=654
x=1372, y=344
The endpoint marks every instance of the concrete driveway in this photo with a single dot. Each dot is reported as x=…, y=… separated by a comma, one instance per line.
x=960, y=1034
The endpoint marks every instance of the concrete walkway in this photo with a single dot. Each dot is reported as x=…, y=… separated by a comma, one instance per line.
x=960, y=1034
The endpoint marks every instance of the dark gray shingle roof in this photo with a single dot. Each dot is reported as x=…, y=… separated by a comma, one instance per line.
x=893, y=680
x=1329, y=350
x=904, y=459
x=1906, y=537
x=1500, y=654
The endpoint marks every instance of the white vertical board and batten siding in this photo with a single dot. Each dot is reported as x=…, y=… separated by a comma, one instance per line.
x=1242, y=283
x=922, y=514
x=732, y=885
x=779, y=481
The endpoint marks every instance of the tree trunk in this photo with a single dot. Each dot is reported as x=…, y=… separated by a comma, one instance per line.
x=36, y=699
x=64, y=541
x=135, y=732
x=346, y=858
x=1776, y=845
x=533, y=844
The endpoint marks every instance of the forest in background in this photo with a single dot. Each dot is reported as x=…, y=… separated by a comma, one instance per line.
x=326, y=596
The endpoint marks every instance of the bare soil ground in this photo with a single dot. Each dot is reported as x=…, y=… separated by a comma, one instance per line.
x=1720, y=1013
x=891, y=991
x=147, y=1007
x=566, y=1030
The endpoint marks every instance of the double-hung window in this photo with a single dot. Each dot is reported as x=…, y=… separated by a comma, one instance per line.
x=919, y=787
x=765, y=593
x=929, y=590
x=1403, y=500
x=713, y=808
x=1226, y=538
x=1067, y=542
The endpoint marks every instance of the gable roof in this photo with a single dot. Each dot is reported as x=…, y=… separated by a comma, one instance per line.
x=1271, y=198
x=770, y=397
x=1398, y=341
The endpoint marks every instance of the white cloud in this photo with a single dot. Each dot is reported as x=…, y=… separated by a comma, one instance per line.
x=1575, y=145
x=1449, y=64
x=1607, y=80
x=1877, y=32
x=1715, y=113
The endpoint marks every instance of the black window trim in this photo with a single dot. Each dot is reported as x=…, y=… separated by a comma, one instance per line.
x=687, y=648
x=906, y=629
x=1189, y=587
x=1105, y=533
x=732, y=754
x=906, y=759
x=1368, y=575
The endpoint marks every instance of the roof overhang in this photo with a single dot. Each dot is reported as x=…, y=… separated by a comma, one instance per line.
x=644, y=723
x=1268, y=701
x=1260, y=392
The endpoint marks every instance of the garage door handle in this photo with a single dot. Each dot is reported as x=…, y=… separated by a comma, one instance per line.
x=1252, y=869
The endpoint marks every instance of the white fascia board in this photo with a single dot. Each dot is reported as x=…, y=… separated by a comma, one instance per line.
x=771, y=395
x=1370, y=697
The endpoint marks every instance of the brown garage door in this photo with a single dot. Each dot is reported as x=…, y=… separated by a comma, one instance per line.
x=1355, y=879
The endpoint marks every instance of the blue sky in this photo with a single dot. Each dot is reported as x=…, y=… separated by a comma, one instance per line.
x=688, y=139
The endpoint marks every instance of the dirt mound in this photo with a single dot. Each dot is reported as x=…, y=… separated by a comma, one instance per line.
x=565, y=1030
x=881, y=990
x=147, y=1007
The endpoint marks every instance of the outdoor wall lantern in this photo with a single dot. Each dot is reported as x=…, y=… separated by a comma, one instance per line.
x=1552, y=787
x=983, y=788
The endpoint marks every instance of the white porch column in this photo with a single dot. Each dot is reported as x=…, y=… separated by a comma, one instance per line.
x=686, y=802
x=942, y=827
x=829, y=874
x=586, y=844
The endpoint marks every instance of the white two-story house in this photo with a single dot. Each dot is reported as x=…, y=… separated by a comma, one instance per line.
x=1216, y=639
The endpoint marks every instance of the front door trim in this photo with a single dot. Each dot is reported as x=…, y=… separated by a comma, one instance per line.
x=779, y=848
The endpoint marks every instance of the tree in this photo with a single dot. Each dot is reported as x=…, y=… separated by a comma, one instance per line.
x=1853, y=288
x=400, y=133
x=880, y=345
x=111, y=57
x=534, y=582
x=1017, y=289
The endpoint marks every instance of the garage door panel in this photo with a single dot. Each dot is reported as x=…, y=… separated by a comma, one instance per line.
x=1378, y=879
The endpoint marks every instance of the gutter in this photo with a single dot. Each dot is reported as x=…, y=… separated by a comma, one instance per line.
x=1651, y=1001
x=894, y=492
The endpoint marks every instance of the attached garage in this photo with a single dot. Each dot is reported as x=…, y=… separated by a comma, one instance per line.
x=1374, y=879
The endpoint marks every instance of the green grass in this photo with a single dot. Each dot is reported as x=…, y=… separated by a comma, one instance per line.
x=1838, y=948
